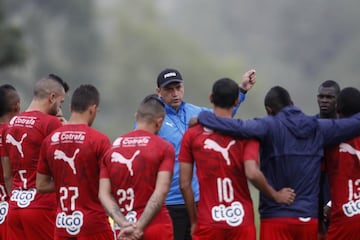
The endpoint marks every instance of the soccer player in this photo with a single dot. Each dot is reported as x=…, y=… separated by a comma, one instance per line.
x=328, y=92
x=326, y=98
x=178, y=112
x=343, y=167
x=223, y=166
x=69, y=165
x=291, y=152
x=31, y=215
x=136, y=176
x=9, y=107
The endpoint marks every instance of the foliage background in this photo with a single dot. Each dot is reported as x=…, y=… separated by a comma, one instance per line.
x=120, y=47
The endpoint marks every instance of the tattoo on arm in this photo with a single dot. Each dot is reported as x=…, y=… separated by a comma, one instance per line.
x=151, y=209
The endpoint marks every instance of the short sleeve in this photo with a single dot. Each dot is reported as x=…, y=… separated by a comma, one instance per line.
x=103, y=165
x=43, y=163
x=251, y=150
x=185, y=154
x=169, y=158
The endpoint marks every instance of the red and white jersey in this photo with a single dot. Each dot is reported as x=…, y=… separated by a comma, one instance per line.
x=72, y=156
x=225, y=200
x=132, y=165
x=22, y=139
x=3, y=194
x=4, y=205
x=343, y=166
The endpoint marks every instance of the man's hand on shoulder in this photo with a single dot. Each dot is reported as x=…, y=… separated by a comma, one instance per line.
x=193, y=121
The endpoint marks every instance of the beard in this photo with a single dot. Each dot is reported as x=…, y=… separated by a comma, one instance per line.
x=53, y=110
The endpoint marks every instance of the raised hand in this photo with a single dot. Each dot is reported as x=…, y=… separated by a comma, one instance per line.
x=248, y=80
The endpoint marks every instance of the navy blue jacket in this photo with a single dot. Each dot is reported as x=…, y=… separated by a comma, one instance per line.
x=291, y=150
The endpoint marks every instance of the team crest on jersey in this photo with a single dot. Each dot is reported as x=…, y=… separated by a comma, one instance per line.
x=23, y=198
x=233, y=215
x=4, y=208
x=211, y=144
x=72, y=223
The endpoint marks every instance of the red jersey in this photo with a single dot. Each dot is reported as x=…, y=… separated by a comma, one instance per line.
x=71, y=155
x=132, y=166
x=4, y=205
x=225, y=200
x=343, y=166
x=23, y=139
x=3, y=194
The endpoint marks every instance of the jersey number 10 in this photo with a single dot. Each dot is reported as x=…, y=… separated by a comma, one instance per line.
x=225, y=190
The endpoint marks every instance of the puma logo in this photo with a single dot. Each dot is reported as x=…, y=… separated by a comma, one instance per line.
x=60, y=155
x=344, y=147
x=169, y=124
x=117, y=157
x=211, y=144
x=17, y=144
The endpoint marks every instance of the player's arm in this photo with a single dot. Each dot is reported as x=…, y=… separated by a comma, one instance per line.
x=257, y=178
x=109, y=203
x=6, y=165
x=44, y=183
x=247, y=82
x=254, y=128
x=156, y=200
x=186, y=174
x=335, y=131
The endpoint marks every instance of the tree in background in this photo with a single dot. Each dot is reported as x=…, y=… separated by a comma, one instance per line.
x=12, y=50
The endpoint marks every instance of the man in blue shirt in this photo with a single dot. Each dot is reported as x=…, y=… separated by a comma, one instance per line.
x=291, y=152
x=170, y=88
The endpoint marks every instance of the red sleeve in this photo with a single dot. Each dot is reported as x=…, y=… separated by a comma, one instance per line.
x=43, y=164
x=251, y=150
x=167, y=163
x=185, y=154
x=103, y=164
x=3, y=149
x=2, y=141
x=104, y=145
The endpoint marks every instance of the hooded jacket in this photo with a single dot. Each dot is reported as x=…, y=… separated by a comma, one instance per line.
x=290, y=155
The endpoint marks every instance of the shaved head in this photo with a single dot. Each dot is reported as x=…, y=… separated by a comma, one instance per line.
x=150, y=109
x=49, y=84
x=51, y=92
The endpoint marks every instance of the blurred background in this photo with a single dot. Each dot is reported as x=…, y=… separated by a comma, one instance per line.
x=120, y=47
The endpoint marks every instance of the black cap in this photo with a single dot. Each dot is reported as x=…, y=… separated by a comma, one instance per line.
x=168, y=76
